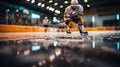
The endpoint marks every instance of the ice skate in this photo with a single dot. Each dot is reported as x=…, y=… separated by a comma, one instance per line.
x=68, y=32
x=84, y=33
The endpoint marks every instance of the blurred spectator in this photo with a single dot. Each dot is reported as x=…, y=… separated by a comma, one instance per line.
x=46, y=24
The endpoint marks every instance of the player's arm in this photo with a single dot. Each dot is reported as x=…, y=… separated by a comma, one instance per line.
x=66, y=13
x=80, y=11
x=67, y=16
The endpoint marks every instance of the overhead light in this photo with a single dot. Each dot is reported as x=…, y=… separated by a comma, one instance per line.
x=88, y=5
x=27, y=0
x=85, y=1
x=39, y=4
x=57, y=11
x=118, y=16
x=33, y=15
x=50, y=1
x=52, y=9
x=43, y=5
x=55, y=4
x=17, y=10
x=47, y=7
x=118, y=45
x=33, y=1
x=61, y=6
x=93, y=19
x=66, y=2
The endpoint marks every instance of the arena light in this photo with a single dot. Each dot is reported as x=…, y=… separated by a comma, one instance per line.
x=61, y=6
x=17, y=10
x=85, y=1
x=47, y=7
x=52, y=9
x=118, y=16
x=50, y=1
x=88, y=5
x=35, y=15
x=118, y=45
x=39, y=4
x=43, y=5
x=33, y=1
x=93, y=19
x=55, y=4
x=57, y=11
x=28, y=0
x=66, y=2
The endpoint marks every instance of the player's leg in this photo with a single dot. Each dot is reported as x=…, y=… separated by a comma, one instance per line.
x=70, y=25
x=68, y=28
x=46, y=28
x=81, y=27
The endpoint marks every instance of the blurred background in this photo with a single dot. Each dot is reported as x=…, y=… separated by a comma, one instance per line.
x=97, y=13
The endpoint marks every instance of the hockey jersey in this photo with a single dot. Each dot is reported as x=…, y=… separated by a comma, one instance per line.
x=69, y=11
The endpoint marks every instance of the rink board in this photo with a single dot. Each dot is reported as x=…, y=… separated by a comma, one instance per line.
x=15, y=28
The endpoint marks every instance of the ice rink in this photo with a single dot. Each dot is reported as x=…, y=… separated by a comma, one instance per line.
x=58, y=49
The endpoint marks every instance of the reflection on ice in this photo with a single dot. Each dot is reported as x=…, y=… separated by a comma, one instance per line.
x=56, y=52
x=118, y=45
